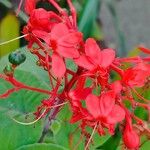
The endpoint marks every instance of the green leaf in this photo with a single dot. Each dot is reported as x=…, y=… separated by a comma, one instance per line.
x=141, y=113
x=9, y=29
x=55, y=126
x=88, y=16
x=42, y=146
x=146, y=146
x=112, y=143
x=21, y=103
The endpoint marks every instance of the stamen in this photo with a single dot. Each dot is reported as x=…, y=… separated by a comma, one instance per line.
x=6, y=42
x=58, y=105
x=87, y=145
x=30, y=123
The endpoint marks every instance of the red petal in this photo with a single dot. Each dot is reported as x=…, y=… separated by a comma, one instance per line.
x=71, y=39
x=68, y=45
x=108, y=56
x=116, y=115
x=68, y=52
x=39, y=19
x=80, y=94
x=107, y=101
x=92, y=103
x=116, y=87
x=40, y=33
x=84, y=62
x=58, y=31
x=58, y=66
x=93, y=51
x=81, y=82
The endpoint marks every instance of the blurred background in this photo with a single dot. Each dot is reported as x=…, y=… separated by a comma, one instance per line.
x=120, y=24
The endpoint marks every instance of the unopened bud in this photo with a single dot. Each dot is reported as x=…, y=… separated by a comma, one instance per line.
x=16, y=58
x=38, y=63
x=131, y=138
x=8, y=70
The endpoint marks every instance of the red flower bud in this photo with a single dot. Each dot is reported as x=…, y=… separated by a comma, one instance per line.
x=131, y=138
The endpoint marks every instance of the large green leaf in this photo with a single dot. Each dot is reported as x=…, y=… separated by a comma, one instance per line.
x=42, y=146
x=18, y=104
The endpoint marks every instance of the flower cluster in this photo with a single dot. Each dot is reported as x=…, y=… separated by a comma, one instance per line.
x=94, y=99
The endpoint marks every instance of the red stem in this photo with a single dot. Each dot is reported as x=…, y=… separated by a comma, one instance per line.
x=73, y=13
x=118, y=70
x=36, y=89
x=8, y=92
x=20, y=85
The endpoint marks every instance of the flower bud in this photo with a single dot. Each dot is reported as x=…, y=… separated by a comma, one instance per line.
x=8, y=70
x=16, y=58
x=131, y=138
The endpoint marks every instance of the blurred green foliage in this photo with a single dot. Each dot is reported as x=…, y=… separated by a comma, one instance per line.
x=9, y=29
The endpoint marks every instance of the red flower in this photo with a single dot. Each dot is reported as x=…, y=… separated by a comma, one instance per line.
x=136, y=76
x=94, y=57
x=41, y=22
x=104, y=109
x=64, y=43
x=97, y=62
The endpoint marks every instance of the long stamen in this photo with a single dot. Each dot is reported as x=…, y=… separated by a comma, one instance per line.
x=30, y=123
x=6, y=42
x=87, y=145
